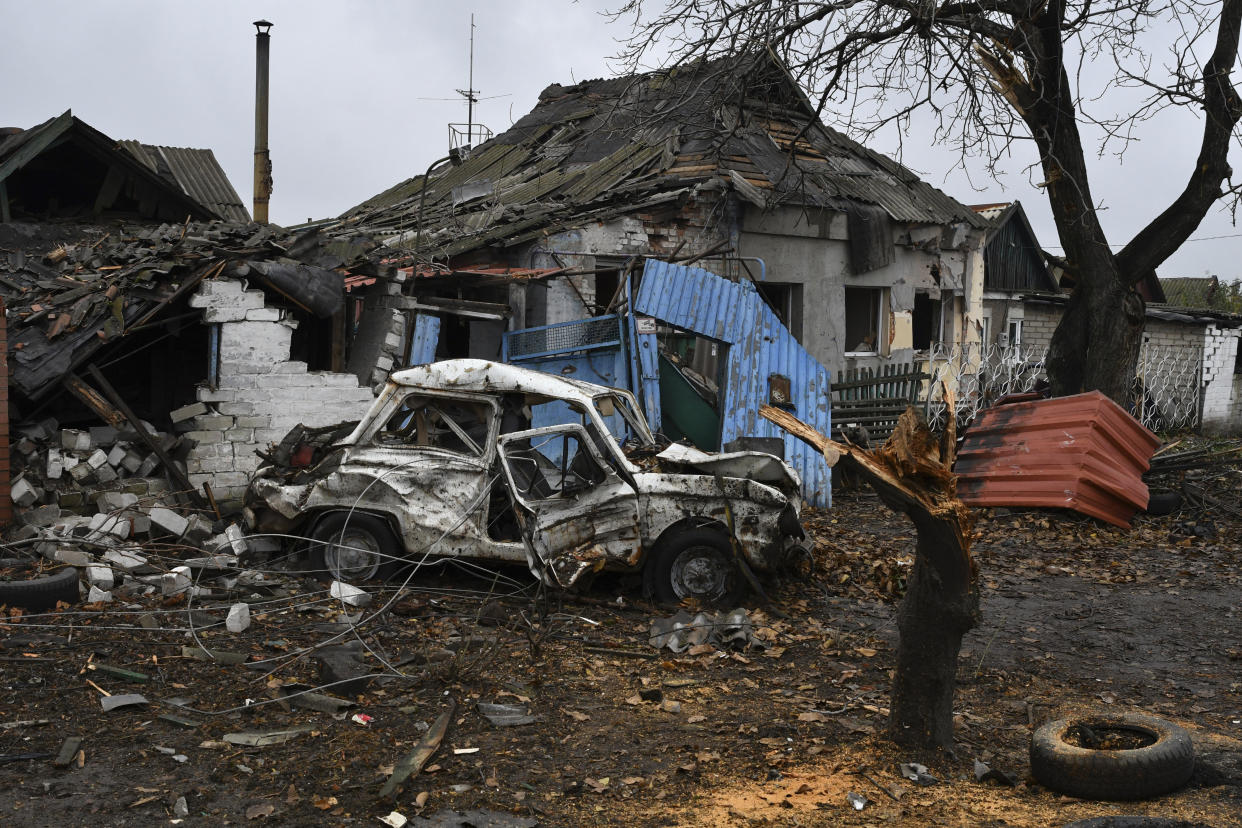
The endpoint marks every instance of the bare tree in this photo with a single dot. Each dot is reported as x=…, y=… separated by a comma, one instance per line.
x=991, y=72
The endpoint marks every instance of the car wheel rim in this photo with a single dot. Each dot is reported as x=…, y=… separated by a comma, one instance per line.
x=701, y=572
x=353, y=555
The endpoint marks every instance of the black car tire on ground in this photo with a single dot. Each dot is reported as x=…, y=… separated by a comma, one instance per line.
x=699, y=564
x=42, y=593
x=1162, y=765
x=1163, y=503
x=356, y=530
x=1134, y=822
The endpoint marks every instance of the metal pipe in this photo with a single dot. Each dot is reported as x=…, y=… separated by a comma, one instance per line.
x=455, y=157
x=262, y=158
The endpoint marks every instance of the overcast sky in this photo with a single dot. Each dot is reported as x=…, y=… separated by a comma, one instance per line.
x=356, y=89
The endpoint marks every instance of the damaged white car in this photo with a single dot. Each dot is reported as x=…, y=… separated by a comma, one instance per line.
x=446, y=464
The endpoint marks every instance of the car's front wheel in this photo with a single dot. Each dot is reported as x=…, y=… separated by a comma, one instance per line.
x=696, y=564
x=353, y=546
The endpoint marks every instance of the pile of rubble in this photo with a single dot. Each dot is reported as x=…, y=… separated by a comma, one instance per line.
x=97, y=499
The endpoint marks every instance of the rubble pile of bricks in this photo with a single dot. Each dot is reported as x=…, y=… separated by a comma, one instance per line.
x=64, y=471
x=96, y=499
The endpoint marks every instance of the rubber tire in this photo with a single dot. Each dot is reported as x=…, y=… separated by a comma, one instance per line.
x=42, y=593
x=1134, y=822
x=1142, y=773
x=374, y=531
x=1163, y=503
x=664, y=560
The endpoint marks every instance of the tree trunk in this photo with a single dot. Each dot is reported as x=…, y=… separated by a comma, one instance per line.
x=938, y=609
x=911, y=474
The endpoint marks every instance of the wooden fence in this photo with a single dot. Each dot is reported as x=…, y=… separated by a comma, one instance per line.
x=874, y=398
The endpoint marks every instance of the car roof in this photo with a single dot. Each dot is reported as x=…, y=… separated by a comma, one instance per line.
x=483, y=376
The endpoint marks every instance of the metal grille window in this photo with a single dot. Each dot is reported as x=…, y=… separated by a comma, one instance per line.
x=578, y=335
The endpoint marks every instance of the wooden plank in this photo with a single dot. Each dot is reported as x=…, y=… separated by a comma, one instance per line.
x=93, y=400
x=169, y=466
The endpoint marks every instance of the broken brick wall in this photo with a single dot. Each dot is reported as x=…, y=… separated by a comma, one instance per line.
x=1220, y=387
x=378, y=346
x=260, y=393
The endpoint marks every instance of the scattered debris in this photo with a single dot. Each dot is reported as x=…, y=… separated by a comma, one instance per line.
x=506, y=715
x=857, y=801
x=917, y=773
x=414, y=761
x=272, y=737
x=680, y=632
x=124, y=700
x=984, y=773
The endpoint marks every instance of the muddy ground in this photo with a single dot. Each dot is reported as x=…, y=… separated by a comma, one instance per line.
x=1075, y=615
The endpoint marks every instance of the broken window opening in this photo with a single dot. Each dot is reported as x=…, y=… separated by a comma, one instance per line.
x=449, y=425
x=552, y=465
x=864, y=321
x=927, y=322
x=312, y=341
x=785, y=300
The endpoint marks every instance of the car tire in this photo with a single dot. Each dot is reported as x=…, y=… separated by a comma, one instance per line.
x=42, y=593
x=696, y=564
x=1165, y=764
x=353, y=546
x=1163, y=503
x=1134, y=822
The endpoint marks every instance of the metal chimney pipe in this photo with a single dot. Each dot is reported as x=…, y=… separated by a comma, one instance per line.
x=262, y=159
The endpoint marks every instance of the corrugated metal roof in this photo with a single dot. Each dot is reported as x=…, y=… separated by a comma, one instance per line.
x=1082, y=452
x=198, y=174
x=759, y=346
x=611, y=145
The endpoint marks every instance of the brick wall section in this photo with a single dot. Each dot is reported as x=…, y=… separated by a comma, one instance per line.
x=1040, y=319
x=6, y=467
x=262, y=394
x=1220, y=351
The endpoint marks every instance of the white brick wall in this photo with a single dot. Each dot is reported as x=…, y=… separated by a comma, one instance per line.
x=1220, y=388
x=262, y=393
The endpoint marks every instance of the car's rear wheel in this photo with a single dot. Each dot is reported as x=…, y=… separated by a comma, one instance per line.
x=696, y=564
x=354, y=546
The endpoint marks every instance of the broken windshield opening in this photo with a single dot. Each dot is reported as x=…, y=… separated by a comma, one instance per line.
x=624, y=423
x=425, y=422
x=551, y=465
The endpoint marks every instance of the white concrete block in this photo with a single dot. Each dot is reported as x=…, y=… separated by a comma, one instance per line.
x=73, y=556
x=168, y=520
x=55, y=464
x=75, y=439
x=125, y=559
x=23, y=492
x=99, y=575
x=96, y=595
x=97, y=459
x=175, y=582
x=349, y=595
x=238, y=619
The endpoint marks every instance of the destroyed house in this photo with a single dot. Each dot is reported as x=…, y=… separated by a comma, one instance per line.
x=548, y=221
x=65, y=168
x=126, y=302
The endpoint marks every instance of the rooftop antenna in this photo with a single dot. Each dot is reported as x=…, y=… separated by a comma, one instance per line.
x=464, y=139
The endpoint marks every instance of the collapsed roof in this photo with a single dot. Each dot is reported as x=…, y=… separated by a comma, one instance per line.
x=66, y=168
x=72, y=290
x=604, y=148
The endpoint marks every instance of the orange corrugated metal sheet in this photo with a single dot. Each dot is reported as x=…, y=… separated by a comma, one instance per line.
x=1082, y=452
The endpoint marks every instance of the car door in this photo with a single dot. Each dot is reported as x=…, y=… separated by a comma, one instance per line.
x=577, y=514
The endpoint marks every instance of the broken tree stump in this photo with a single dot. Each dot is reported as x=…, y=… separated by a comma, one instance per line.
x=912, y=474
